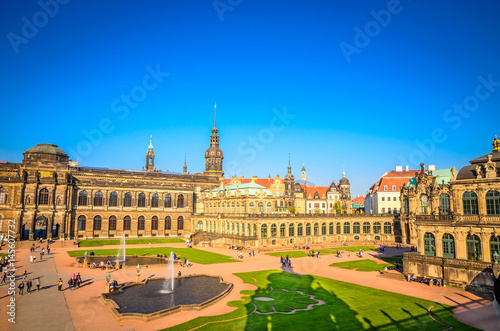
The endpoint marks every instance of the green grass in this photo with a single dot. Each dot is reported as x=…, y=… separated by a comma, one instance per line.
x=192, y=254
x=302, y=253
x=361, y=265
x=107, y=242
x=393, y=260
x=347, y=307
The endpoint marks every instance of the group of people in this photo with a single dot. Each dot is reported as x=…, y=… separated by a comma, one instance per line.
x=74, y=282
x=42, y=252
x=28, y=284
x=382, y=248
x=251, y=252
x=285, y=262
x=361, y=253
x=313, y=254
x=434, y=281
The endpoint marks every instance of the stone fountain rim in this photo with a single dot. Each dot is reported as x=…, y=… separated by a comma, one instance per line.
x=105, y=298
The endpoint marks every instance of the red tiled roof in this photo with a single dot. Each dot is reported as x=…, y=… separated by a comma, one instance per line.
x=359, y=200
x=321, y=190
x=394, y=177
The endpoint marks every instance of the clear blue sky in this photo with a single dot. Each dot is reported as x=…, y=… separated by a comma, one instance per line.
x=362, y=99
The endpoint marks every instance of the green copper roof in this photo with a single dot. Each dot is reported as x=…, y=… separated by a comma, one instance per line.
x=440, y=174
x=46, y=148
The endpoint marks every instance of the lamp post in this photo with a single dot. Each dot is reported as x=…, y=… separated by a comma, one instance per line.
x=108, y=278
x=137, y=275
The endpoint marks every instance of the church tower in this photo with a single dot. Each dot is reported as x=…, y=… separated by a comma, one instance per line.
x=214, y=155
x=185, y=167
x=289, y=181
x=150, y=157
x=303, y=174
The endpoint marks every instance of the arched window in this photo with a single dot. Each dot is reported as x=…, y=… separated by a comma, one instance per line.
x=330, y=228
x=494, y=247
x=98, y=198
x=168, y=223
x=316, y=229
x=154, y=200
x=141, y=200
x=168, y=201
x=82, y=223
x=237, y=229
x=376, y=227
x=154, y=223
x=3, y=196
x=473, y=248
x=268, y=209
x=43, y=197
x=366, y=227
x=429, y=244
x=261, y=207
x=469, y=199
x=444, y=203
x=291, y=230
x=282, y=230
x=493, y=203
x=242, y=229
x=113, y=199
x=255, y=229
x=406, y=204
x=112, y=223
x=97, y=223
x=356, y=228
x=273, y=230
x=308, y=229
x=223, y=208
x=448, y=246
x=180, y=201
x=237, y=207
x=180, y=223
x=82, y=198
x=323, y=229
x=126, y=223
x=263, y=231
x=127, y=199
x=299, y=230
x=232, y=208
x=347, y=228
x=141, y=223
x=424, y=203
x=251, y=206
x=338, y=228
x=387, y=228
x=232, y=228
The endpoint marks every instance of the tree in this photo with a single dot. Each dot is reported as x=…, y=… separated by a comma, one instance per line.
x=337, y=207
x=291, y=209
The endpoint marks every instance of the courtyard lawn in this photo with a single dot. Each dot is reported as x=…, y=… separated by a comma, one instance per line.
x=395, y=259
x=107, y=242
x=361, y=265
x=347, y=248
x=347, y=307
x=192, y=254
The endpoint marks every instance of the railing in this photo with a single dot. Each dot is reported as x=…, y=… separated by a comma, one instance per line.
x=264, y=215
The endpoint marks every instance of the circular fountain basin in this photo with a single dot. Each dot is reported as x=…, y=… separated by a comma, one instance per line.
x=153, y=299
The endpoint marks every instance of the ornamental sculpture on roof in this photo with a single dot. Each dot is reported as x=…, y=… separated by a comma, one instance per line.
x=496, y=144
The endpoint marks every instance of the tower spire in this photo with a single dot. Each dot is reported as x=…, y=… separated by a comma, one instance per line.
x=150, y=142
x=343, y=171
x=215, y=115
x=184, y=169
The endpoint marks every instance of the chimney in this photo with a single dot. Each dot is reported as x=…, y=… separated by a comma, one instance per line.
x=399, y=168
x=407, y=168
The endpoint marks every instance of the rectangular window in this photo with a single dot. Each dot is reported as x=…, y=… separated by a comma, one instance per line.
x=383, y=199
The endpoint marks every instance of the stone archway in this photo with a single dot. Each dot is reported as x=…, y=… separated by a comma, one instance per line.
x=41, y=224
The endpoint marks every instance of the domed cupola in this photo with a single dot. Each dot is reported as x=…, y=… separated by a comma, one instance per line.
x=45, y=155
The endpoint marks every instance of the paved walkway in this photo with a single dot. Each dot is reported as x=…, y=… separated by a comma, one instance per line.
x=87, y=311
x=43, y=310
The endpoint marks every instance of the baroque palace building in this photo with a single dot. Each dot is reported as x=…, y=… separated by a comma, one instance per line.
x=49, y=196
x=454, y=221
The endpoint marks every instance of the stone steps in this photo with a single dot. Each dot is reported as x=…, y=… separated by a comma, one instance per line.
x=393, y=275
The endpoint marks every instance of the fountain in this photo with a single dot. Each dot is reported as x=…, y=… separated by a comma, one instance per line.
x=169, y=277
x=121, y=257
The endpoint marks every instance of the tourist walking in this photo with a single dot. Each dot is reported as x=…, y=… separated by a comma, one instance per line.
x=70, y=283
x=78, y=280
x=59, y=285
x=250, y=252
x=29, y=284
x=41, y=256
x=253, y=252
x=31, y=258
x=21, y=288
x=4, y=277
x=38, y=284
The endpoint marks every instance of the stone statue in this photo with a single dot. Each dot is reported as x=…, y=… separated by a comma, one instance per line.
x=496, y=144
x=479, y=173
x=495, y=255
x=422, y=167
x=453, y=173
x=27, y=200
x=58, y=201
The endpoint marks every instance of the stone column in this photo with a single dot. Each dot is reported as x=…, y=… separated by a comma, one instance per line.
x=438, y=236
x=460, y=245
x=485, y=247
x=481, y=201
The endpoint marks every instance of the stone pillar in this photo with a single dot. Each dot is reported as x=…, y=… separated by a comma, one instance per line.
x=485, y=247
x=438, y=236
x=481, y=201
x=460, y=245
